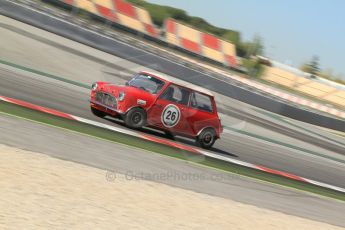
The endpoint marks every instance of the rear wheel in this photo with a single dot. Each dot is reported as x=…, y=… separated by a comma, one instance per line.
x=206, y=138
x=135, y=118
x=97, y=112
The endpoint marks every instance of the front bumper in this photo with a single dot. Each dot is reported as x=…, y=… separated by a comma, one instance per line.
x=93, y=102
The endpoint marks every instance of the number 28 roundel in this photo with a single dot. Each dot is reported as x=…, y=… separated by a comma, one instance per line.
x=171, y=115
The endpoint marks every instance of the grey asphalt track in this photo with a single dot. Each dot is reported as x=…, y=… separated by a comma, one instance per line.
x=114, y=47
x=82, y=149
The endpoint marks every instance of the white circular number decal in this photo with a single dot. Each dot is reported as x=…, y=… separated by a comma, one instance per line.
x=170, y=115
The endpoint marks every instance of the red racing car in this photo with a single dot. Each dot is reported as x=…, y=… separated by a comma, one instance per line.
x=155, y=101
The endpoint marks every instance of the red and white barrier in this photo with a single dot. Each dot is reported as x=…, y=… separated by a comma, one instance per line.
x=200, y=42
x=119, y=11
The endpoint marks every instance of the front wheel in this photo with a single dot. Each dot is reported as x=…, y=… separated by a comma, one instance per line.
x=206, y=138
x=135, y=118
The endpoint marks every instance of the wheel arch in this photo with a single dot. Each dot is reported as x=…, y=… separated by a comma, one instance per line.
x=135, y=106
x=207, y=127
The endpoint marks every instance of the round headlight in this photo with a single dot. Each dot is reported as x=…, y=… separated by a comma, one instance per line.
x=121, y=96
x=94, y=86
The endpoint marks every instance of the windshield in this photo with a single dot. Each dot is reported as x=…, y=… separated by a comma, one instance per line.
x=147, y=83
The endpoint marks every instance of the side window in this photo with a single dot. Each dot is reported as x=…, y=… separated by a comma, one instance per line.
x=202, y=102
x=176, y=94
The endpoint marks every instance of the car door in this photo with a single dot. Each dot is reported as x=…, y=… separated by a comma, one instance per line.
x=170, y=110
x=201, y=112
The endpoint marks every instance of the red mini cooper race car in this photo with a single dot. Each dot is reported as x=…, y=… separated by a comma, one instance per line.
x=155, y=101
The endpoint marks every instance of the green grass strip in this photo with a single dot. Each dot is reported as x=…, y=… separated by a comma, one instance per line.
x=116, y=137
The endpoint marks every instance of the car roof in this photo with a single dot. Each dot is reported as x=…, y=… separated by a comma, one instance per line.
x=179, y=82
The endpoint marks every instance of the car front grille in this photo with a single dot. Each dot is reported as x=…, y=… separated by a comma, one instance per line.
x=106, y=99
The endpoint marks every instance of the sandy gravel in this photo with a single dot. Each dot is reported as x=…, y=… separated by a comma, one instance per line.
x=40, y=192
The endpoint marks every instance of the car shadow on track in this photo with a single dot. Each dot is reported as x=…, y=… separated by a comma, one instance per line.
x=161, y=134
x=223, y=152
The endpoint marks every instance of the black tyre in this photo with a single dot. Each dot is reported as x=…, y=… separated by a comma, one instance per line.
x=206, y=138
x=135, y=118
x=97, y=112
